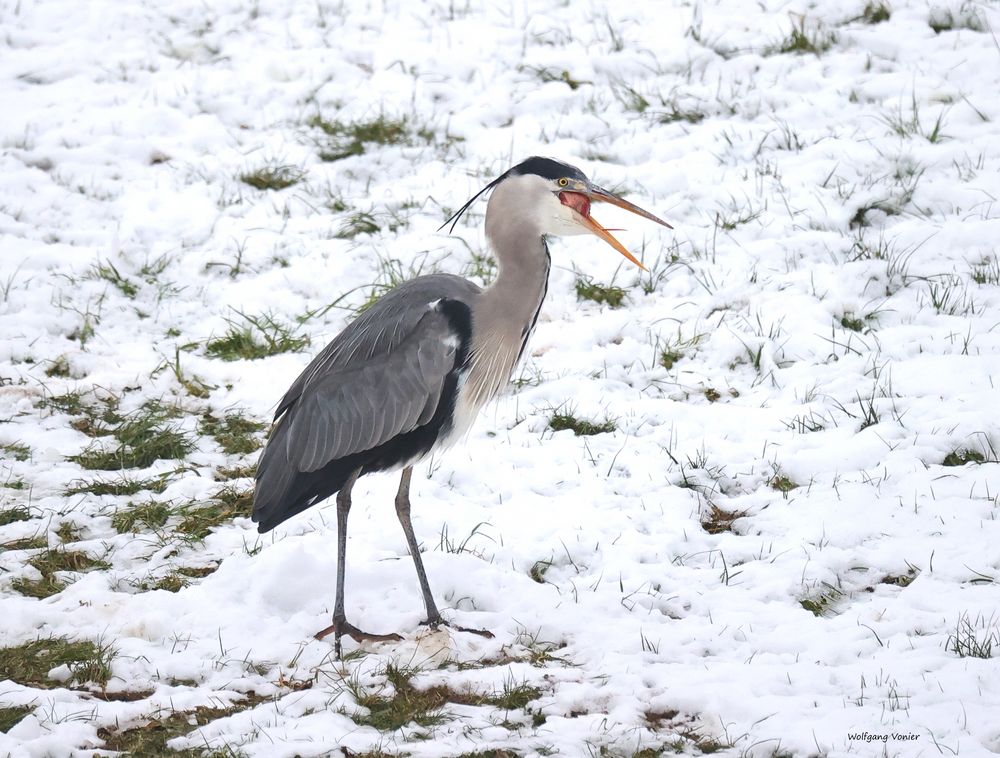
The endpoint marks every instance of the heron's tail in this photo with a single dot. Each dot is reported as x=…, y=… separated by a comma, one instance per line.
x=282, y=490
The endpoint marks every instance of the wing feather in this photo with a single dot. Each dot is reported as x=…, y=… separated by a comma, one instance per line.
x=357, y=409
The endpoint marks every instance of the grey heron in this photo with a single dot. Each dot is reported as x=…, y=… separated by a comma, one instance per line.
x=410, y=374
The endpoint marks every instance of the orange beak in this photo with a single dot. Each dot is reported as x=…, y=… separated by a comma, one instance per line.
x=580, y=202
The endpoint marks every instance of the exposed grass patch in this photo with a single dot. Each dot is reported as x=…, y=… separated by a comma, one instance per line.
x=673, y=113
x=875, y=13
x=198, y=519
x=581, y=427
x=273, y=176
x=610, y=295
x=852, y=322
x=59, y=368
x=14, y=484
x=124, y=485
x=672, y=350
x=68, y=532
x=361, y=222
x=253, y=337
x=974, y=638
x=947, y=20
x=246, y=471
x=900, y=580
x=539, y=569
x=176, y=580
x=16, y=451
x=540, y=652
x=547, y=75
x=194, y=385
x=26, y=543
x=405, y=704
x=235, y=433
x=804, y=38
x=29, y=664
x=345, y=139
x=961, y=456
x=50, y=562
x=987, y=271
x=820, y=602
x=10, y=717
x=71, y=403
x=144, y=437
x=715, y=520
x=12, y=515
x=149, y=739
x=110, y=274
x=149, y=515
x=782, y=483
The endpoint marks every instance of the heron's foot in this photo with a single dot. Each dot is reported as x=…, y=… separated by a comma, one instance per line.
x=438, y=621
x=340, y=628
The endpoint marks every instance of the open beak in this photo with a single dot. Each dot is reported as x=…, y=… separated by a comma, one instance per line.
x=580, y=202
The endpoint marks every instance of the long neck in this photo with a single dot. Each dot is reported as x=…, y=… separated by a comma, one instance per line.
x=506, y=311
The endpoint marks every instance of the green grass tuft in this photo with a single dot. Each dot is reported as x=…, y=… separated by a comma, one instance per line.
x=59, y=368
x=876, y=13
x=947, y=20
x=803, y=39
x=962, y=456
x=198, y=519
x=609, y=295
x=235, y=433
x=177, y=580
x=15, y=450
x=246, y=471
x=26, y=543
x=670, y=357
x=406, y=704
x=820, y=602
x=10, y=717
x=273, y=176
x=987, y=271
x=974, y=638
x=255, y=337
x=149, y=738
x=29, y=664
x=144, y=437
x=110, y=274
x=151, y=514
x=358, y=223
x=852, y=322
x=782, y=483
x=580, y=427
x=124, y=485
x=71, y=403
x=346, y=139
x=48, y=563
x=12, y=515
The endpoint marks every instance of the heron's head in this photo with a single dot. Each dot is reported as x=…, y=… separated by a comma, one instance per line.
x=556, y=198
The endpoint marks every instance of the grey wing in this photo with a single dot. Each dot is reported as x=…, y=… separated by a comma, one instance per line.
x=381, y=377
x=372, y=401
x=380, y=329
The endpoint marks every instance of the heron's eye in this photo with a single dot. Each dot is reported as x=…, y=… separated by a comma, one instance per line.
x=563, y=182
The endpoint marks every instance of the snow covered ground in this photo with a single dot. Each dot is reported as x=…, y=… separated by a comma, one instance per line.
x=785, y=542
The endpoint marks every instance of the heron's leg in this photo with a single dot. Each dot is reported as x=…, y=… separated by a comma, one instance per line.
x=340, y=626
x=403, y=513
x=343, y=511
